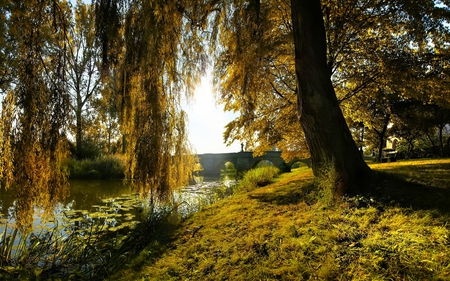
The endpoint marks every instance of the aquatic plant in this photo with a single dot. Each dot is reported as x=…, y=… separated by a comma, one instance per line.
x=90, y=245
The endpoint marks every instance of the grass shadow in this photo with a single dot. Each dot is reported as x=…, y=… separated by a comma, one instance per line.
x=410, y=192
x=414, y=184
x=148, y=242
x=419, y=184
x=291, y=192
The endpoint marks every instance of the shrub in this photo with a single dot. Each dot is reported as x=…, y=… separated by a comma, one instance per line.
x=258, y=177
x=107, y=167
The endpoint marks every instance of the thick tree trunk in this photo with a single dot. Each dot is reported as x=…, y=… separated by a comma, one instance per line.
x=326, y=131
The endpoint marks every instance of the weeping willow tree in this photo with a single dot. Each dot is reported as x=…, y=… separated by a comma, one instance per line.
x=35, y=107
x=153, y=46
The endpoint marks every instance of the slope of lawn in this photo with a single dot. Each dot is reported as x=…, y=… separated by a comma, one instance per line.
x=288, y=231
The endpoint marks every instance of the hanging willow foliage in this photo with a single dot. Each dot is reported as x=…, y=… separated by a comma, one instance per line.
x=33, y=144
x=159, y=60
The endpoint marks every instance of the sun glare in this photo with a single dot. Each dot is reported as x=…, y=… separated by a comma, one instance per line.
x=207, y=121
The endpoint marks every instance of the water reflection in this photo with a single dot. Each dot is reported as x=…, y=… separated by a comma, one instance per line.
x=109, y=205
x=84, y=197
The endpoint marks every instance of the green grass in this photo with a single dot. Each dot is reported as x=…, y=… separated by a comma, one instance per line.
x=284, y=231
x=258, y=177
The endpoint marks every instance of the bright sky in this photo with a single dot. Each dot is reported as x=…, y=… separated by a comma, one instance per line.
x=207, y=121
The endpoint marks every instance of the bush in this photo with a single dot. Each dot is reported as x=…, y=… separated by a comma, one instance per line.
x=107, y=167
x=258, y=177
x=89, y=150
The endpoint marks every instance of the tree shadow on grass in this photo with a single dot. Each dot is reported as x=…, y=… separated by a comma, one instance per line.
x=424, y=187
x=292, y=193
x=148, y=242
x=410, y=192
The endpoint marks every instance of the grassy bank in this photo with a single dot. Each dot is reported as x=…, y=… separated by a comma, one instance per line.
x=286, y=231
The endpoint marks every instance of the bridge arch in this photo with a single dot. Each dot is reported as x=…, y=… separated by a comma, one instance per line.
x=306, y=161
x=223, y=164
x=262, y=162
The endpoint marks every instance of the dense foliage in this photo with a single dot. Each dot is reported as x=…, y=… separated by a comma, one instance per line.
x=57, y=91
x=378, y=53
x=114, y=73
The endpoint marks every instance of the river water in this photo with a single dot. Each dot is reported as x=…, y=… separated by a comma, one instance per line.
x=113, y=202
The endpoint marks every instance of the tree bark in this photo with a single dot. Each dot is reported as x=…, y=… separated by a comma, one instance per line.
x=79, y=133
x=321, y=118
x=448, y=145
x=381, y=135
x=441, y=141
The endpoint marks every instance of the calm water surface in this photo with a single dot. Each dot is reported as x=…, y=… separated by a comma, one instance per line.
x=113, y=202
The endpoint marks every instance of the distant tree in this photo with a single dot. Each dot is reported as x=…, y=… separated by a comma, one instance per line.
x=83, y=60
x=376, y=115
x=414, y=120
x=440, y=119
x=407, y=123
x=108, y=115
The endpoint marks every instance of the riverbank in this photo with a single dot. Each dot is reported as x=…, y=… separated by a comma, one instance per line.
x=287, y=231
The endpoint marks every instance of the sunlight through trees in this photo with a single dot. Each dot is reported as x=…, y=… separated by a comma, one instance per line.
x=297, y=72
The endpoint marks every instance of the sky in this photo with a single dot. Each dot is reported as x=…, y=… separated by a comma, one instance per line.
x=207, y=121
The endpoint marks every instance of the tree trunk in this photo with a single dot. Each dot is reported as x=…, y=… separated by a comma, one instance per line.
x=447, y=151
x=380, y=146
x=79, y=134
x=433, y=145
x=441, y=141
x=381, y=140
x=326, y=130
x=124, y=144
x=410, y=147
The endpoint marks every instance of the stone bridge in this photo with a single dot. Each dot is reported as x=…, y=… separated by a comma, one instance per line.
x=212, y=163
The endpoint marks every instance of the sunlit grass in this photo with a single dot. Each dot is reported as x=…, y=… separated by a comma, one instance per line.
x=284, y=231
x=258, y=177
x=430, y=172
